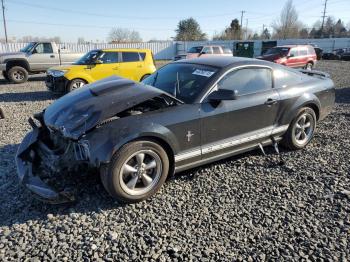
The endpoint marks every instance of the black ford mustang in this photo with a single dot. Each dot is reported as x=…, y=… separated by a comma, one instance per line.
x=188, y=113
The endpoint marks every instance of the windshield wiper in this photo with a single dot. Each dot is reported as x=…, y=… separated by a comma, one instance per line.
x=155, y=79
x=177, y=85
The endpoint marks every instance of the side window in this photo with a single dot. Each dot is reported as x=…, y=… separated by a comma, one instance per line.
x=207, y=50
x=247, y=81
x=130, y=57
x=44, y=48
x=294, y=52
x=216, y=50
x=109, y=57
x=302, y=52
x=311, y=50
x=143, y=56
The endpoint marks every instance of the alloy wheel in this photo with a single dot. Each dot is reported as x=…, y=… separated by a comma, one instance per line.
x=141, y=172
x=18, y=75
x=77, y=84
x=304, y=128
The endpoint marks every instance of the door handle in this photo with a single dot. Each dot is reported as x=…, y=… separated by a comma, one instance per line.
x=115, y=68
x=52, y=56
x=139, y=66
x=271, y=101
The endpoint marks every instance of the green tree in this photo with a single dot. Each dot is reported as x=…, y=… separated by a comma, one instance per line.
x=233, y=32
x=189, y=30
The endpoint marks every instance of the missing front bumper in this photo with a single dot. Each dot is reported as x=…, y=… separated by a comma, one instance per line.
x=28, y=159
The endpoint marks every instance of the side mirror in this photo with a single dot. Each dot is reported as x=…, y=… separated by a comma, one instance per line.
x=98, y=62
x=202, y=53
x=223, y=94
x=34, y=51
x=291, y=55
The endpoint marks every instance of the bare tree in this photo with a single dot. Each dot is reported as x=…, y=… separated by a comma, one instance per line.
x=287, y=25
x=123, y=35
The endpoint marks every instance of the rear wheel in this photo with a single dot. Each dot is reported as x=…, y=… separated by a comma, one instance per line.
x=75, y=84
x=17, y=74
x=144, y=77
x=309, y=66
x=136, y=172
x=301, y=130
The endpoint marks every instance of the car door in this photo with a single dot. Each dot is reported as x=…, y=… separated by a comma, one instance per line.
x=42, y=57
x=251, y=116
x=131, y=65
x=303, y=56
x=293, y=57
x=107, y=64
x=207, y=51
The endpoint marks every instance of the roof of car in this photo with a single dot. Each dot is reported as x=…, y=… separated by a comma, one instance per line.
x=125, y=49
x=290, y=46
x=218, y=61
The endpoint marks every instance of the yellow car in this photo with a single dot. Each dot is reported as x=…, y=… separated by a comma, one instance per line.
x=135, y=64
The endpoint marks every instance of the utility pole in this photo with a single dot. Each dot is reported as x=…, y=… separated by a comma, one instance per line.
x=246, y=29
x=3, y=17
x=323, y=16
x=242, y=13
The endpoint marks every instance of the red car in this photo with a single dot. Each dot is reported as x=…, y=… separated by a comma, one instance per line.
x=298, y=56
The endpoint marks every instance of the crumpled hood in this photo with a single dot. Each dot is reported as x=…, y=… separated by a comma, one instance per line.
x=83, y=109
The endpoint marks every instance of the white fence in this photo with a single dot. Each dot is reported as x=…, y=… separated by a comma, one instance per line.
x=168, y=50
x=161, y=50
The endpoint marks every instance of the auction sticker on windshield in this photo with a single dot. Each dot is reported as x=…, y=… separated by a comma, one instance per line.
x=203, y=73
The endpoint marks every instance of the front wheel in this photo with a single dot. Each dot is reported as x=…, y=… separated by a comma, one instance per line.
x=17, y=74
x=75, y=84
x=301, y=130
x=136, y=172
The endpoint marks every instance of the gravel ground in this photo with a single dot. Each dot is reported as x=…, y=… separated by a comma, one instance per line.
x=244, y=208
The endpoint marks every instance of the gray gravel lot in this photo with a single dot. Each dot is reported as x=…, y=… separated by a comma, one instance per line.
x=244, y=208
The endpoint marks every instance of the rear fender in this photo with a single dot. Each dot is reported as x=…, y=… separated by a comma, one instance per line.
x=307, y=99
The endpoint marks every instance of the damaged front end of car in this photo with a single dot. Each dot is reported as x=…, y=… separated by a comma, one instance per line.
x=44, y=160
x=71, y=136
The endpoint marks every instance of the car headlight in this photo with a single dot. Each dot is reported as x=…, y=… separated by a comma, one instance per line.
x=56, y=73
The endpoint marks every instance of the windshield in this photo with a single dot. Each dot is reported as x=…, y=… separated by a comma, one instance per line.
x=195, y=50
x=184, y=81
x=278, y=51
x=88, y=58
x=28, y=48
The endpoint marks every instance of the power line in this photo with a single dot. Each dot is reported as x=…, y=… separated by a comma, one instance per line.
x=4, y=19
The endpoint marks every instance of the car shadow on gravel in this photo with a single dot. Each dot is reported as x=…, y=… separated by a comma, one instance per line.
x=30, y=79
x=28, y=96
x=342, y=95
x=91, y=196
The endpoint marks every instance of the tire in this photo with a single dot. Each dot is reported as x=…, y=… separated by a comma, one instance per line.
x=309, y=66
x=17, y=75
x=75, y=84
x=6, y=77
x=127, y=186
x=292, y=139
x=144, y=77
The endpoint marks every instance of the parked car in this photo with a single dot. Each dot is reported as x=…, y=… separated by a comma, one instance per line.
x=297, y=56
x=135, y=64
x=189, y=113
x=319, y=52
x=35, y=58
x=208, y=50
x=336, y=54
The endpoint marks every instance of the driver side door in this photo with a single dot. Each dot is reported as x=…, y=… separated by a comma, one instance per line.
x=229, y=124
x=42, y=57
x=109, y=66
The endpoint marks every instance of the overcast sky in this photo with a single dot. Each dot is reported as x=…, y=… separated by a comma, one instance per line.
x=154, y=19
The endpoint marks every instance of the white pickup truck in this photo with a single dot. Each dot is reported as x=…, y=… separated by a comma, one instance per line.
x=35, y=58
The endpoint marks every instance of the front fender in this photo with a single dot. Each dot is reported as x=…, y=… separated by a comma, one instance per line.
x=104, y=141
x=70, y=76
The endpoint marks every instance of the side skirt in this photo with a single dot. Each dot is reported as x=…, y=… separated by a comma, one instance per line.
x=236, y=151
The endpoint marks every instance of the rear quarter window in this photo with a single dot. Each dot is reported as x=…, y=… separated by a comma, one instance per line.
x=284, y=78
x=130, y=57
